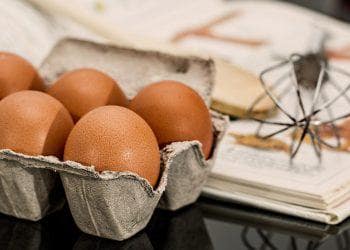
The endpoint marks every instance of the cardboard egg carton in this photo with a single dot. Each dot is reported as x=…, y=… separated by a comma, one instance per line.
x=114, y=205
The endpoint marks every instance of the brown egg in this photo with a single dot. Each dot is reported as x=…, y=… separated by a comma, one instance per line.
x=116, y=139
x=175, y=112
x=83, y=90
x=17, y=74
x=34, y=123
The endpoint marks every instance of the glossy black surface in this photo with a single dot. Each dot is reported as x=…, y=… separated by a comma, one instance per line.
x=339, y=9
x=237, y=227
x=205, y=225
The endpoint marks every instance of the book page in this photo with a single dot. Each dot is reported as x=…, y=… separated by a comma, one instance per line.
x=272, y=169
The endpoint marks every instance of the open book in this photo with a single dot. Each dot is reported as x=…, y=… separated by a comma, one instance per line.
x=266, y=179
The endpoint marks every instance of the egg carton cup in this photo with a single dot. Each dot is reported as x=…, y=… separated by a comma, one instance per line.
x=188, y=168
x=27, y=192
x=132, y=69
x=114, y=205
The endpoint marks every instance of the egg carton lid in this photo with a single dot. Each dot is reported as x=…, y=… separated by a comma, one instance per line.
x=132, y=69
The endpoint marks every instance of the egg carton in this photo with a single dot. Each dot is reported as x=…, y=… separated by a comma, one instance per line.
x=189, y=169
x=114, y=205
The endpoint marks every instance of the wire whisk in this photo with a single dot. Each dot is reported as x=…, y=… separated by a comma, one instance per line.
x=308, y=81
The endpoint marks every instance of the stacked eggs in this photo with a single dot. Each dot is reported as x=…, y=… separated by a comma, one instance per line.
x=85, y=117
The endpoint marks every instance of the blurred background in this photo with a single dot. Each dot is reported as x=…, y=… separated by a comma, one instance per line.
x=207, y=224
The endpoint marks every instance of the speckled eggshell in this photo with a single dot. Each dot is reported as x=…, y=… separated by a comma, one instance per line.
x=34, y=123
x=17, y=74
x=83, y=90
x=115, y=138
x=175, y=113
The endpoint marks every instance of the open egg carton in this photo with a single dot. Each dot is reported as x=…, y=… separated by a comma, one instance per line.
x=114, y=205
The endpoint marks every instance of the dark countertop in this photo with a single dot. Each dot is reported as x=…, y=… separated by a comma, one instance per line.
x=339, y=9
x=205, y=225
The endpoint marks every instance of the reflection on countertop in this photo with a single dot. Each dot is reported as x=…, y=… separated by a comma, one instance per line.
x=57, y=231
x=337, y=8
x=249, y=228
x=205, y=225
